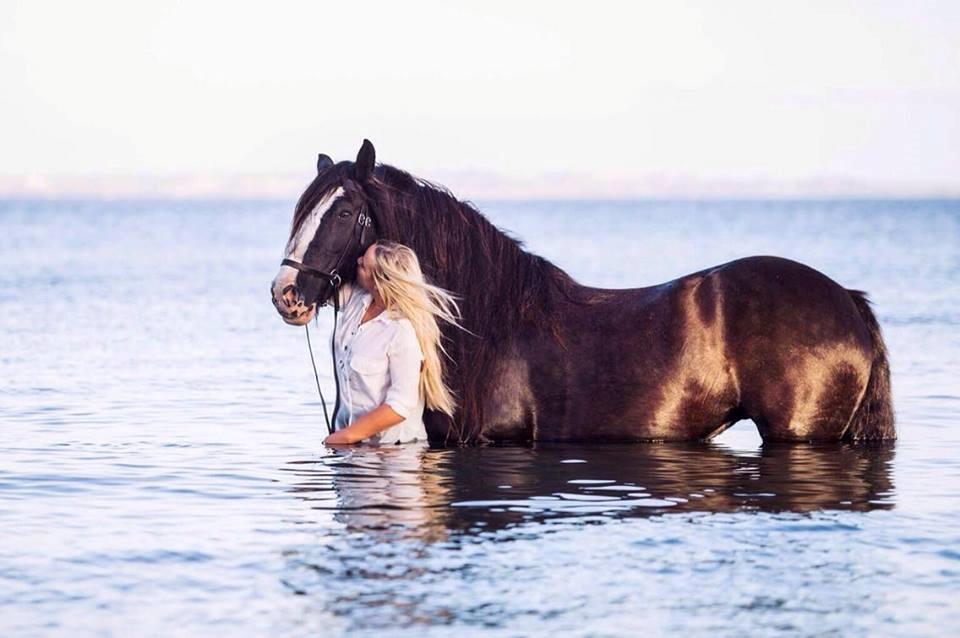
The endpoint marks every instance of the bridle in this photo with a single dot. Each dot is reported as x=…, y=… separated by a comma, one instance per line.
x=364, y=221
x=334, y=281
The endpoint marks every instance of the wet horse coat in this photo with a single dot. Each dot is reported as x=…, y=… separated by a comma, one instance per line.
x=547, y=359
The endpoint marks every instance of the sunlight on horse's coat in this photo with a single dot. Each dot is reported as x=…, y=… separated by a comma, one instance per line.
x=511, y=402
x=816, y=377
x=702, y=382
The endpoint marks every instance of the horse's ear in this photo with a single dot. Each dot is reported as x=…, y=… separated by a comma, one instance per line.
x=323, y=163
x=366, y=158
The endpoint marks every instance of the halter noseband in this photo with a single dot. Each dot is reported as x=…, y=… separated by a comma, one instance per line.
x=333, y=276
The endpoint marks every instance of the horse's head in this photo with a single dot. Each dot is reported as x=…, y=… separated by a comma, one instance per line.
x=332, y=226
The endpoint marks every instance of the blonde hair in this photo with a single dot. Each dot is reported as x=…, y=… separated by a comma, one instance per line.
x=401, y=285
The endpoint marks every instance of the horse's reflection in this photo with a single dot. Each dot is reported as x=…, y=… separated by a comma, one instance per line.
x=434, y=492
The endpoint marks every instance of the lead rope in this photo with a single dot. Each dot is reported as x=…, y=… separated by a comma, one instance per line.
x=316, y=376
x=333, y=357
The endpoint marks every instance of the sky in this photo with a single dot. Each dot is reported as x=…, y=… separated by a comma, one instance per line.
x=658, y=95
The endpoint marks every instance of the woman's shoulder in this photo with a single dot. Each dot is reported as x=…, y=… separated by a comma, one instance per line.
x=404, y=332
x=402, y=325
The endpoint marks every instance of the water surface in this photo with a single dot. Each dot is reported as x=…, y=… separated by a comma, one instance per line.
x=162, y=473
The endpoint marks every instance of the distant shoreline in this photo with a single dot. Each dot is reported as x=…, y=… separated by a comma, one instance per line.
x=473, y=185
x=289, y=202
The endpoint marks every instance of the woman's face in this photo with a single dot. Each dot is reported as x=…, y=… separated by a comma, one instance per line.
x=365, y=266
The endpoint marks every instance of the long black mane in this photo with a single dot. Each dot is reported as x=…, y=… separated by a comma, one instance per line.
x=503, y=289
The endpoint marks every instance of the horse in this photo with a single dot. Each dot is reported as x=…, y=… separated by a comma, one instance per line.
x=544, y=358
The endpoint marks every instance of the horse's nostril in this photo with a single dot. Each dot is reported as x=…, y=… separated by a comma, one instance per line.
x=290, y=295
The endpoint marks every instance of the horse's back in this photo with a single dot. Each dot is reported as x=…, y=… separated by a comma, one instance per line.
x=764, y=338
x=761, y=338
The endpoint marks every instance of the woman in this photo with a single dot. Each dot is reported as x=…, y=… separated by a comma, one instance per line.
x=388, y=350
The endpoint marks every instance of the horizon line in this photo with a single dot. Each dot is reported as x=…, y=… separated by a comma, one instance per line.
x=469, y=185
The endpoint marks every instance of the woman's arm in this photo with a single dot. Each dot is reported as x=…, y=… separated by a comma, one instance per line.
x=376, y=420
x=404, y=356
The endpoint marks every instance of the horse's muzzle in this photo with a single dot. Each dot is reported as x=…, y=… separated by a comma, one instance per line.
x=290, y=304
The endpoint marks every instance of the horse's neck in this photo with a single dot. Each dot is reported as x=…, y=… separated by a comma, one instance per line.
x=491, y=259
x=476, y=224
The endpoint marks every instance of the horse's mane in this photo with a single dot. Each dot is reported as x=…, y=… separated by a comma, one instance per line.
x=504, y=291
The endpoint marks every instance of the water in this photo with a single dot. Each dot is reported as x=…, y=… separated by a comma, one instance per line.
x=162, y=473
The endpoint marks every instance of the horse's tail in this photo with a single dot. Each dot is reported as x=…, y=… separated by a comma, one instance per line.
x=873, y=418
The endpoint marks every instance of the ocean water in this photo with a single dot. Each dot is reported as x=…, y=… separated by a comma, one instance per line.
x=162, y=473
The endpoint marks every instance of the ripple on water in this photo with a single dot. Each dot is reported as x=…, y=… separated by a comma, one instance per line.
x=161, y=465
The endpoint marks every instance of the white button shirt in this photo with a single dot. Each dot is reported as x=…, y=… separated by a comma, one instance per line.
x=378, y=362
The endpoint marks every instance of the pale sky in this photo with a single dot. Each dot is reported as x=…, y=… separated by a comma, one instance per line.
x=866, y=91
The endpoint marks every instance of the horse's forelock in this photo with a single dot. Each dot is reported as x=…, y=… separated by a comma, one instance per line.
x=321, y=186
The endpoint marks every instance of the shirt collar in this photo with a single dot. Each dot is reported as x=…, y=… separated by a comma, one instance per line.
x=366, y=300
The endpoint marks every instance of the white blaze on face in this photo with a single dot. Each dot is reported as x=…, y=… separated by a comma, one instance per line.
x=297, y=246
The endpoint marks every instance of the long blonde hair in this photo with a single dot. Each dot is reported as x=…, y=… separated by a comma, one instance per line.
x=402, y=287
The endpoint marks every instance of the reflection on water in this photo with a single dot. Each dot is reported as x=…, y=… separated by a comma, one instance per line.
x=477, y=537
x=374, y=487
x=161, y=466
x=434, y=490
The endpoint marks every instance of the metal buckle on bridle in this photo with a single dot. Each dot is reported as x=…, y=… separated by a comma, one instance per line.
x=335, y=279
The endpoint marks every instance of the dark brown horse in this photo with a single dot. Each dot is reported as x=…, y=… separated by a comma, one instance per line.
x=547, y=359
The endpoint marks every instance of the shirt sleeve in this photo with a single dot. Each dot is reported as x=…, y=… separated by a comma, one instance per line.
x=405, y=355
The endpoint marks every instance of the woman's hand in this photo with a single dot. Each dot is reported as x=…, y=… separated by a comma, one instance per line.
x=375, y=421
x=340, y=437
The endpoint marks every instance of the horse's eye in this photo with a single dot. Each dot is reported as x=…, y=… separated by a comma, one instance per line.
x=344, y=214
